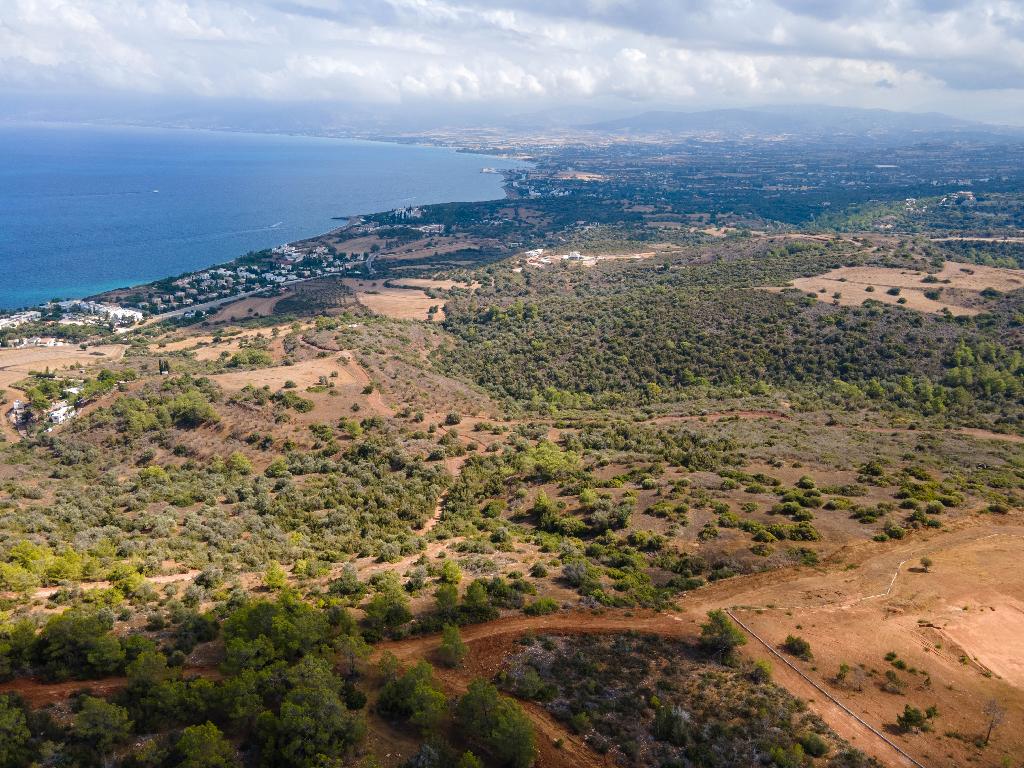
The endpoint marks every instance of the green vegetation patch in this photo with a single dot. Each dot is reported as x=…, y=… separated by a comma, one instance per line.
x=652, y=701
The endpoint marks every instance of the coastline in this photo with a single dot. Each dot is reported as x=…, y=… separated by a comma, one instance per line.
x=42, y=287
x=346, y=137
x=351, y=221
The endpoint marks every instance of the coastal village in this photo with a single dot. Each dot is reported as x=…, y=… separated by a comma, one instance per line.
x=188, y=296
x=191, y=295
x=73, y=312
x=286, y=264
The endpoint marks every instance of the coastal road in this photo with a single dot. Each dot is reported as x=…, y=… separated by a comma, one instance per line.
x=215, y=303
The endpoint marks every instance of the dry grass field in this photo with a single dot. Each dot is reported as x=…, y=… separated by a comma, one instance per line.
x=412, y=250
x=428, y=284
x=304, y=374
x=15, y=364
x=397, y=303
x=956, y=629
x=855, y=285
x=253, y=306
x=207, y=347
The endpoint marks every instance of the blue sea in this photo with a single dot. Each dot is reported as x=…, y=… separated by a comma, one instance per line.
x=86, y=209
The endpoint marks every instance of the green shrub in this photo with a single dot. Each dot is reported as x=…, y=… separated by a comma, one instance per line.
x=541, y=607
x=798, y=647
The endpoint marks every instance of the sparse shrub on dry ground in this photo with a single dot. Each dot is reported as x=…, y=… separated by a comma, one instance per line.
x=651, y=701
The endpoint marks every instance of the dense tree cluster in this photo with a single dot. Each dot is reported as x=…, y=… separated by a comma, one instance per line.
x=648, y=344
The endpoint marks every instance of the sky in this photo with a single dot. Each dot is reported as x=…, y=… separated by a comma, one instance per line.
x=496, y=57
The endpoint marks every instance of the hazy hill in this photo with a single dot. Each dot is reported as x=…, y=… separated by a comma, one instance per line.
x=805, y=120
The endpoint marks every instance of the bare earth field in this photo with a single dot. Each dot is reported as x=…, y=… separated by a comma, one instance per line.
x=852, y=611
x=206, y=347
x=304, y=374
x=15, y=364
x=858, y=284
x=426, y=248
x=427, y=284
x=413, y=250
x=253, y=306
x=959, y=626
x=398, y=303
x=986, y=635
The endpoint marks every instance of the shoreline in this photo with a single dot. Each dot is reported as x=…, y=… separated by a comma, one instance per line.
x=344, y=220
x=352, y=220
x=393, y=141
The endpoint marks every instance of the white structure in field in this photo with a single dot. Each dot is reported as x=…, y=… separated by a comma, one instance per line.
x=60, y=412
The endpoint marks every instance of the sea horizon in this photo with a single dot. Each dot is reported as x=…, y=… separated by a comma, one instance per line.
x=86, y=208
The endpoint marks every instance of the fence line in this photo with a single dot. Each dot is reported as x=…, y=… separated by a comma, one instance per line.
x=825, y=693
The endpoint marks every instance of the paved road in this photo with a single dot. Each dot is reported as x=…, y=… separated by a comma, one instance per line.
x=217, y=302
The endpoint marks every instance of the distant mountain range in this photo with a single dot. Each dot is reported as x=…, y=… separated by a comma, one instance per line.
x=798, y=120
x=340, y=119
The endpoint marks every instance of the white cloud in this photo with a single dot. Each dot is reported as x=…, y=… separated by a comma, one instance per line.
x=955, y=56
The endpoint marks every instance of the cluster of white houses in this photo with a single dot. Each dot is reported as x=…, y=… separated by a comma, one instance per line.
x=291, y=252
x=33, y=341
x=291, y=264
x=537, y=257
x=79, y=310
x=73, y=312
x=19, y=318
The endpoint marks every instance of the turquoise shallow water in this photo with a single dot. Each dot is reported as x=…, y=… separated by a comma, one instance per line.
x=86, y=209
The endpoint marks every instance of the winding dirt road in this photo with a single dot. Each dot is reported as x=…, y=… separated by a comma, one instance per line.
x=489, y=644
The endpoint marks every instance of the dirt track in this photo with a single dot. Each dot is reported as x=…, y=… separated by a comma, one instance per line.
x=44, y=593
x=849, y=600
x=834, y=603
x=490, y=643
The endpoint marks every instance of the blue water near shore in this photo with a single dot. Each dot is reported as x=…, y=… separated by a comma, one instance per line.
x=86, y=209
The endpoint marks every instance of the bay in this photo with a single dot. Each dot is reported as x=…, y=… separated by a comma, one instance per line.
x=84, y=209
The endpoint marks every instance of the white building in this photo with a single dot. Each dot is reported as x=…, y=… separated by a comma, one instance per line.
x=60, y=412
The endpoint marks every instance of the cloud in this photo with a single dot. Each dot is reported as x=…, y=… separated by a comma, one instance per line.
x=957, y=56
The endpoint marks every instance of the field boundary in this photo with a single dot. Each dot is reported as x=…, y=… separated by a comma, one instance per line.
x=888, y=589
x=825, y=693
